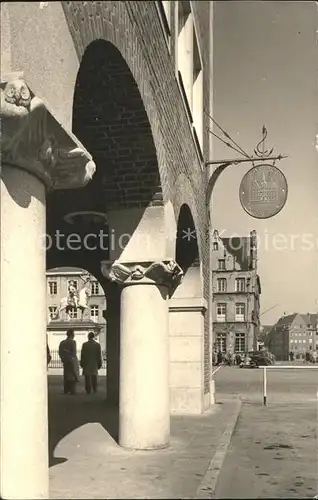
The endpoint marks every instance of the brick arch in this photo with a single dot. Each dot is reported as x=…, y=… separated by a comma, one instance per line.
x=184, y=197
x=132, y=27
x=110, y=119
x=91, y=22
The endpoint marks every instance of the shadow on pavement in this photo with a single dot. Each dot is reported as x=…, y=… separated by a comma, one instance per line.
x=67, y=413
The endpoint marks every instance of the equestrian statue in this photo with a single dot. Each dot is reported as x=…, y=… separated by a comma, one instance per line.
x=76, y=299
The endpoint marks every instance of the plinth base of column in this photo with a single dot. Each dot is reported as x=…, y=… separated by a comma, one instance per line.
x=212, y=392
x=139, y=439
x=150, y=448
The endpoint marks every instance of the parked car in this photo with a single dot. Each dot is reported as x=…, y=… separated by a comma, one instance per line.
x=255, y=359
x=262, y=358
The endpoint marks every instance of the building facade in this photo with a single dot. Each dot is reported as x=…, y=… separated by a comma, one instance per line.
x=236, y=294
x=93, y=319
x=103, y=149
x=296, y=333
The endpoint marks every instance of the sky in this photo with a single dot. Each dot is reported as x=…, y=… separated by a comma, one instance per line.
x=266, y=73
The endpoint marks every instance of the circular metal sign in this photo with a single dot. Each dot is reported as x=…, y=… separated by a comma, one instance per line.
x=263, y=191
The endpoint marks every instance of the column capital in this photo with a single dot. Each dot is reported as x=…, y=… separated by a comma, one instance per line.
x=32, y=139
x=167, y=273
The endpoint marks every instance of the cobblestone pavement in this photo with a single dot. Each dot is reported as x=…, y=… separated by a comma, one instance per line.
x=273, y=453
x=86, y=461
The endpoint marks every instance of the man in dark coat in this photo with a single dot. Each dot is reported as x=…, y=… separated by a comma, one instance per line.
x=67, y=353
x=91, y=362
x=48, y=354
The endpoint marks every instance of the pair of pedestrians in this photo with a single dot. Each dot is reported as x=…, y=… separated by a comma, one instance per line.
x=90, y=361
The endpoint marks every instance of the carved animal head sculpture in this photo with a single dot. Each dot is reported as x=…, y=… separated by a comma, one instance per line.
x=17, y=92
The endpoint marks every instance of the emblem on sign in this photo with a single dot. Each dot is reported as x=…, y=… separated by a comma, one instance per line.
x=263, y=191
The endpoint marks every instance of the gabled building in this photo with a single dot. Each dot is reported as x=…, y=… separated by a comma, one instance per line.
x=236, y=293
x=296, y=333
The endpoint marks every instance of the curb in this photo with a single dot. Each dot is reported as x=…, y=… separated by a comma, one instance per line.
x=208, y=484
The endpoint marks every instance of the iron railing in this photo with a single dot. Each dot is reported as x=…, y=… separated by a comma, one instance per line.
x=57, y=363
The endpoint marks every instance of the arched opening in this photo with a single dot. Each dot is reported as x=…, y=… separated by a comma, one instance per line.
x=121, y=210
x=186, y=319
x=66, y=415
x=187, y=255
x=120, y=214
x=110, y=120
x=187, y=252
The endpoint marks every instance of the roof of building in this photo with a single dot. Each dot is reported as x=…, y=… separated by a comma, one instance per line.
x=266, y=328
x=286, y=320
x=310, y=319
x=239, y=247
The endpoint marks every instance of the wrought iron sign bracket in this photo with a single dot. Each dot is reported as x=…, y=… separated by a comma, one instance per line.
x=260, y=155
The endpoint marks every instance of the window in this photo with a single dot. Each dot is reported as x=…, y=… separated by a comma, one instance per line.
x=221, y=285
x=221, y=312
x=94, y=313
x=53, y=287
x=74, y=283
x=221, y=342
x=73, y=313
x=95, y=288
x=164, y=10
x=52, y=312
x=240, y=342
x=215, y=245
x=197, y=92
x=185, y=48
x=240, y=311
x=240, y=285
x=189, y=66
x=221, y=264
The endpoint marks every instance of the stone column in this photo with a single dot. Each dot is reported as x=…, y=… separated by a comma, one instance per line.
x=144, y=403
x=36, y=154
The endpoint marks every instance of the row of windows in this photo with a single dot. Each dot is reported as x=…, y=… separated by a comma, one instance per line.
x=309, y=334
x=302, y=349
x=221, y=311
x=241, y=284
x=295, y=327
x=189, y=67
x=239, y=346
x=94, y=312
x=222, y=264
x=310, y=327
x=52, y=284
x=301, y=341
